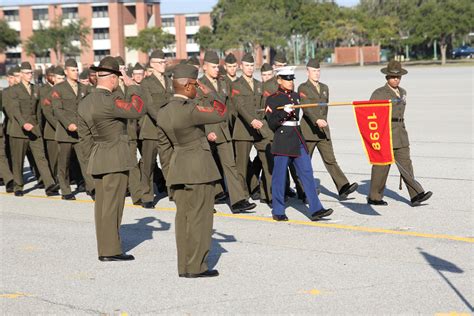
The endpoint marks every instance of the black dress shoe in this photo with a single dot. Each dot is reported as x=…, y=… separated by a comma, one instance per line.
x=205, y=274
x=51, y=190
x=148, y=205
x=417, y=200
x=68, y=197
x=316, y=216
x=19, y=193
x=121, y=257
x=220, y=198
x=91, y=194
x=347, y=189
x=242, y=206
x=9, y=186
x=376, y=202
x=255, y=195
x=280, y=218
x=40, y=185
x=138, y=202
x=81, y=188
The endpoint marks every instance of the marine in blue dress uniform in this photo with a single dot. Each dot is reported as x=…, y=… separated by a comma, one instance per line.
x=290, y=146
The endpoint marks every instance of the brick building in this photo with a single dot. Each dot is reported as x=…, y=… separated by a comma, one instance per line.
x=111, y=21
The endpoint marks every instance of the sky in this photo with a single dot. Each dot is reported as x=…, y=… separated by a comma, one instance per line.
x=193, y=6
x=167, y=6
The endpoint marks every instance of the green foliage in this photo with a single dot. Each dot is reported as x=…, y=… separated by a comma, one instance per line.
x=205, y=38
x=150, y=39
x=390, y=23
x=65, y=39
x=252, y=23
x=8, y=37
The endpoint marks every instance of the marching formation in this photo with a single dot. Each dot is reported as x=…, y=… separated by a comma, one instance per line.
x=87, y=129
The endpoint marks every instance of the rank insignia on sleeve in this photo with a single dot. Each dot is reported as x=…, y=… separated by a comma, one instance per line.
x=303, y=95
x=136, y=102
x=235, y=92
x=219, y=107
x=55, y=95
x=46, y=102
x=204, y=109
x=268, y=109
x=266, y=93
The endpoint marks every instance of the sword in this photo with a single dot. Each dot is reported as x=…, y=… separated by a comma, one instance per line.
x=354, y=103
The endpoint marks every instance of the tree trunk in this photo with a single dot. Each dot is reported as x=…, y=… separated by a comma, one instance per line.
x=267, y=54
x=443, y=47
x=361, y=56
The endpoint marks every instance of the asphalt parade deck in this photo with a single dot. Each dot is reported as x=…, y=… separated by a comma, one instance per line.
x=376, y=260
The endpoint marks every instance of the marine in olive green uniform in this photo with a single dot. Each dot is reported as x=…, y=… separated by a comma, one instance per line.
x=251, y=129
x=104, y=118
x=134, y=177
x=48, y=119
x=400, y=142
x=219, y=135
x=5, y=169
x=316, y=130
x=192, y=172
x=65, y=99
x=158, y=89
x=230, y=66
x=25, y=131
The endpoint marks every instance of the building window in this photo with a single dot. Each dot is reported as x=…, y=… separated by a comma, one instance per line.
x=46, y=59
x=100, y=12
x=101, y=53
x=102, y=33
x=70, y=13
x=167, y=22
x=40, y=14
x=13, y=58
x=11, y=15
x=192, y=20
x=190, y=39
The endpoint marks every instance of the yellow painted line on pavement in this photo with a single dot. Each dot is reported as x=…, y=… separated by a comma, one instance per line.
x=13, y=295
x=298, y=222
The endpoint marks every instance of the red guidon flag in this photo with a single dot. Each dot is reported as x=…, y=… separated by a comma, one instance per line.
x=374, y=121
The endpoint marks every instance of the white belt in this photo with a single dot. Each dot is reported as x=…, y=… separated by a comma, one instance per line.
x=291, y=123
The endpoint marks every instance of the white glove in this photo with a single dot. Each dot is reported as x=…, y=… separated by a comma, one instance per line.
x=288, y=108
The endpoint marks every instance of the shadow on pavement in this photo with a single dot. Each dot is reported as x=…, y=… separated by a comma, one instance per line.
x=216, y=248
x=364, y=188
x=134, y=234
x=361, y=208
x=441, y=265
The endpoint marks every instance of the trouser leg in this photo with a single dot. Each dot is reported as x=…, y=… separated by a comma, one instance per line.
x=5, y=172
x=149, y=152
x=18, y=147
x=52, y=151
x=109, y=203
x=64, y=160
x=305, y=173
x=83, y=161
x=242, y=151
x=194, y=219
x=405, y=166
x=264, y=152
x=134, y=185
x=37, y=149
x=378, y=178
x=234, y=185
x=280, y=165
